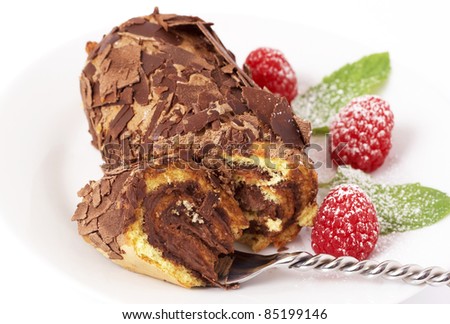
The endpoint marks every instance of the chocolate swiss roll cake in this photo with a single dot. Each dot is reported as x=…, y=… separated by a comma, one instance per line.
x=169, y=223
x=194, y=152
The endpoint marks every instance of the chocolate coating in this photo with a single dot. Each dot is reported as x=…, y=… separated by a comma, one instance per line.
x=163, y=76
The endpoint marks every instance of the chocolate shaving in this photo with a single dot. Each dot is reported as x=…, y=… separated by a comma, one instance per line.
x=283, y=124
x=102, y=56
x=305, y=129
x=85, y=190
x=89, y=71
x=109, y=39
x=96, y=100
x=81, y=211
x=87, y=228
x=96, y=196
x=126, y=96
x=152, y=62
x=175, y=20
x=160, y=107
x=206, y=98
x=123, y=70
x=133, y=21
x=134, y=194
x=212, y=37
x=114, y=256
x=157, y=78
x=261, y=103
x=101, y=209
x=116, y=249
x=110, y=225
x=159, y=90
x=86, y=91
x=98, y=242
x=200, y=95
x=196, y=122
x=185, y=58
x=141, y=89
x=105, y=187
x=121, y=120
x=238, y=106
x=142, y=27
x=228, y=68
x=161, y=19
x=151, y=30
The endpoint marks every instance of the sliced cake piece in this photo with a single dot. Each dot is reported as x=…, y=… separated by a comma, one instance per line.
x=168, y=223
x=165, y=86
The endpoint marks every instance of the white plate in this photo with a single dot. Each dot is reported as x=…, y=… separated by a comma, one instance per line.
x=50, y=158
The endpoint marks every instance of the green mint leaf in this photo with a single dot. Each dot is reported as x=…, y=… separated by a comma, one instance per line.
x=321, y=102
x=400, y=208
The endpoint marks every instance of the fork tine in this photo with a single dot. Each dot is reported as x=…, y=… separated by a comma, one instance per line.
x=248, y=265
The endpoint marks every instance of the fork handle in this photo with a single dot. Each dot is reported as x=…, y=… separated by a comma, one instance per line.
x=410, y=273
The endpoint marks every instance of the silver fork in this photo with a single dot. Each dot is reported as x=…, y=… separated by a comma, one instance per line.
x=246, y=266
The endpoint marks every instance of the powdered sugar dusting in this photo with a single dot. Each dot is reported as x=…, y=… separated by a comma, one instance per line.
x=320, y=103
x=361, y=133
x=346, y=224
x=399, y=207
x=317, y=106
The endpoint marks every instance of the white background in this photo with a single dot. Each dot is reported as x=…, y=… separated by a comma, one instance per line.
x=415, y=32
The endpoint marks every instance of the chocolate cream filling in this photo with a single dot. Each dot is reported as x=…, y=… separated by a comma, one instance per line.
x=184, y=222
x=253, y=201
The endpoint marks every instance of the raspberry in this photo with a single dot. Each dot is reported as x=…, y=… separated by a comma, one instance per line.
x=269, y=68
x=361, y=133
x=346, y=224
